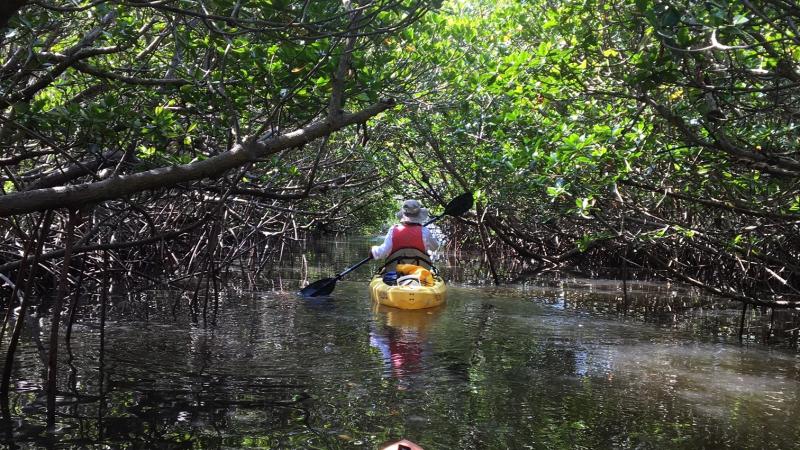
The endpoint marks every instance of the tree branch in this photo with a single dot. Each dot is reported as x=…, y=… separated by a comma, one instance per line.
x=250, y=150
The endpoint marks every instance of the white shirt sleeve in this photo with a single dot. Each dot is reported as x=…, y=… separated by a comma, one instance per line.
x=382, y=251
x=430, y=241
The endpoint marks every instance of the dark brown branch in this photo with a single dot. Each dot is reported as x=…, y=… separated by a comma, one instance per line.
x=85, y=68
x=86, y=167
x=728, y=206
x=71, y=56
x=16, y=159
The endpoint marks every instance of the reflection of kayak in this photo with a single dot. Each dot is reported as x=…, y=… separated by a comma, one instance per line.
x=408, y=297
x=401, y=319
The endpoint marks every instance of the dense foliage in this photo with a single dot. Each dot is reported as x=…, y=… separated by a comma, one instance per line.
x=658, y=135
x=165, y=141
x=180, y=139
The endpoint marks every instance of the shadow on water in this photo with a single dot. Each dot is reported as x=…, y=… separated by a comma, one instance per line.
x=565, y=364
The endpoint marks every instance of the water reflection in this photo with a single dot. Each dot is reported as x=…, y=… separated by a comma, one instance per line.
x=401, y=336
x=514, y=367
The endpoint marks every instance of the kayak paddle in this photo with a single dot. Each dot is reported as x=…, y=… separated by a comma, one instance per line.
x=325, y=286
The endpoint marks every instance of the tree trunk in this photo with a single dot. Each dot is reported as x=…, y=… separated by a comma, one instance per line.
x=63, y=291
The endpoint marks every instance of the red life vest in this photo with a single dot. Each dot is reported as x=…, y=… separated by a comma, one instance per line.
x=407, y=236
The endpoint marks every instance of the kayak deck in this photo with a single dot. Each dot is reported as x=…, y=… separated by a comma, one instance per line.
x=408, y=297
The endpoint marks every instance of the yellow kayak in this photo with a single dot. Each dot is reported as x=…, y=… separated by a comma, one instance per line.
x=408, y=297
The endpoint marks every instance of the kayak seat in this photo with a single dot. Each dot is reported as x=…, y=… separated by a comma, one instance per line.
x=406, y=256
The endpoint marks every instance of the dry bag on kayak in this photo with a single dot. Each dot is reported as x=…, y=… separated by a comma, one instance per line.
x=409, y=280
x=423, y=276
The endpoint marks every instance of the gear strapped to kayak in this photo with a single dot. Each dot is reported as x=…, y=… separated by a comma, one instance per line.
x=408, y=297
x=423, y=276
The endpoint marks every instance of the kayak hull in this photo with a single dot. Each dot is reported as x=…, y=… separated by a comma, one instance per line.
x=408, y=297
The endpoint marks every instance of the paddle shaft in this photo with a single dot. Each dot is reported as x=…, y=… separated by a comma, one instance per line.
x=433, y=219
x=352, y=268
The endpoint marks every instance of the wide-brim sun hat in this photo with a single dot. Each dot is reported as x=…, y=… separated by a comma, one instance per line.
x=413, y=212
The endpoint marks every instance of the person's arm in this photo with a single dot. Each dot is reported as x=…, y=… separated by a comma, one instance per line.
x=430, y=241
x=382, y=251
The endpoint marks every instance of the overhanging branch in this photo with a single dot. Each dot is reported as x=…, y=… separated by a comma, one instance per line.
x=249, y=150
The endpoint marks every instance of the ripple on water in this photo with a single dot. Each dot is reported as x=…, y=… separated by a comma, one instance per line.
x=495, y=368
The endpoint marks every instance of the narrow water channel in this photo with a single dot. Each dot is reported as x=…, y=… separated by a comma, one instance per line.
x=495, y=368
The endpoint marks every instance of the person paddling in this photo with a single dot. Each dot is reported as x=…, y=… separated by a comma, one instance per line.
x=409, y=242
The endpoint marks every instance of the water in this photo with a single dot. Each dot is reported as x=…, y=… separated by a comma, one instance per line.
x=495, y=368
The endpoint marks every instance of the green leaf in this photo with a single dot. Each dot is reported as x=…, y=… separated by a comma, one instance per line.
x=610, y=53
x=670, y=18
x=555, y=191
x=145, y=152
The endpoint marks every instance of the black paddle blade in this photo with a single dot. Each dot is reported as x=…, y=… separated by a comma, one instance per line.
x=318, y=288
x=459, y=205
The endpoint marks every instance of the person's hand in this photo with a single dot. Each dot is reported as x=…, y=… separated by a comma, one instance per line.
x=403, y=444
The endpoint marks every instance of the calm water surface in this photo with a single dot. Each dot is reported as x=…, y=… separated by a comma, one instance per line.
x=495, y=368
